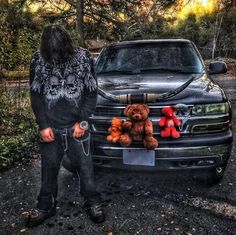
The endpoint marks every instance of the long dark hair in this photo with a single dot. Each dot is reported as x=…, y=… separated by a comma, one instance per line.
x=56, y=44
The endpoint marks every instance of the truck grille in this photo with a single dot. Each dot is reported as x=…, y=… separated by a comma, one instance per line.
x=103, y=115
x=101, y=121
x=117, y=111
x=103, y=128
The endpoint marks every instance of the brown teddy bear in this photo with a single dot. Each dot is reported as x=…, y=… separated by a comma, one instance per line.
x=115, y=130
x=139, y=127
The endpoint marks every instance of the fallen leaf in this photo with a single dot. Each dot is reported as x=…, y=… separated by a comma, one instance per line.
x=25, y=213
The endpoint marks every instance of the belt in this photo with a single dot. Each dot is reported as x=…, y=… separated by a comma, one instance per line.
x=65, y=132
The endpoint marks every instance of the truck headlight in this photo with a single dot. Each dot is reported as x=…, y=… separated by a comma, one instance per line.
x=210, y=109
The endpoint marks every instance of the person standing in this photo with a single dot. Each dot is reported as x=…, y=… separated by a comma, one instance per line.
x=63, y=92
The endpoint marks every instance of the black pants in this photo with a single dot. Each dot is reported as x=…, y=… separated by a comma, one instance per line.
x=78, y=151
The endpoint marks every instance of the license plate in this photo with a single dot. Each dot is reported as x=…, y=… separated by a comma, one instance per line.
x=141, y=157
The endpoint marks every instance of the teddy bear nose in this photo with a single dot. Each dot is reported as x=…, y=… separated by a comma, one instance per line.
x=136, y=116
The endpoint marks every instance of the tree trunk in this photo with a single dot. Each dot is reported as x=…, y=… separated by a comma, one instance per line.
x=79, y=21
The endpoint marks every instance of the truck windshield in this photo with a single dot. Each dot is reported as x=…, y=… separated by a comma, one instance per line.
x=147, y=57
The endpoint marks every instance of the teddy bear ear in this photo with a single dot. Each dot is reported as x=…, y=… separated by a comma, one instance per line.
x=163, y=110
x=146, y=107
x=127, y=109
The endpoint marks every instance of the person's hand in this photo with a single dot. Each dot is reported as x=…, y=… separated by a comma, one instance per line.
x=78, y=132
x=47, y=134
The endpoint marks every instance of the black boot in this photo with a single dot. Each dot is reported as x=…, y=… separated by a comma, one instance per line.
x=37, y=216
x=95, y=211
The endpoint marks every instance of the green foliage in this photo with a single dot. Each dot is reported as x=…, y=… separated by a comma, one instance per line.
x=95, y=30
x=18, y=132
x=26, y=44
x=189, y=29
x=158, y=28
x=227, y=33
x=6, y=47
x=15, y=148
x=16, y=54
x=18, y=36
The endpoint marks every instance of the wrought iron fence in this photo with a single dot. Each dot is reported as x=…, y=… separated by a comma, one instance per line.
x=16, y=93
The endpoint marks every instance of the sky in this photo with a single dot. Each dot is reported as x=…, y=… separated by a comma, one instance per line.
x=198, y=7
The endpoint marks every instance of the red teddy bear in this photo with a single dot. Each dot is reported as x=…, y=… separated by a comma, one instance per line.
x=169, y=122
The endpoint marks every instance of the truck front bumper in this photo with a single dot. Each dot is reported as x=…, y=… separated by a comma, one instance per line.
x=186, y=153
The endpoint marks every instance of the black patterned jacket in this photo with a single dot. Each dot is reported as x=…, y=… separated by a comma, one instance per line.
x=65, y=93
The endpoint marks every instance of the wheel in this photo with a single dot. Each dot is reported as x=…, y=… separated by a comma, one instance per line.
x=211, y=177
x=66, y=163
x=216, y=175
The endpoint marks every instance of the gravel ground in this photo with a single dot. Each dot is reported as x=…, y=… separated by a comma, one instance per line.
x=135, y=203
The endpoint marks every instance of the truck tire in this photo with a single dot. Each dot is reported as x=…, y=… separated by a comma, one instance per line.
x=216, y=175
x=211, y=177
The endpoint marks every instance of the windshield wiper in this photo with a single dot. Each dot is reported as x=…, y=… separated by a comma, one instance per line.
x=168, y=70
x=119, y=71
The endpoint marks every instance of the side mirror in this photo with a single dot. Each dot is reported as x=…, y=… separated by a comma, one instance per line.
x=217, y=67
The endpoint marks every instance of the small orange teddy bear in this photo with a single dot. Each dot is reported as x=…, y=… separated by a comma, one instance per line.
x=115, y=130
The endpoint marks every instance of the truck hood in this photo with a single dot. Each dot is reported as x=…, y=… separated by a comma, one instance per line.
x=201, y=90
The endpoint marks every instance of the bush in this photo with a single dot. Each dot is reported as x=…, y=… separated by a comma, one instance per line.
x=17, y=148
x=18, y=132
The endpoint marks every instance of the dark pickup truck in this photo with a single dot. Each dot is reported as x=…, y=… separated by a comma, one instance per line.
x=163, y=73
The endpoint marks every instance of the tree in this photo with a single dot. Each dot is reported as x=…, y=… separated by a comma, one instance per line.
x=217, y=28
x=228, y=4
x=121, y=18
x=17, y=34
x=189, y=29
